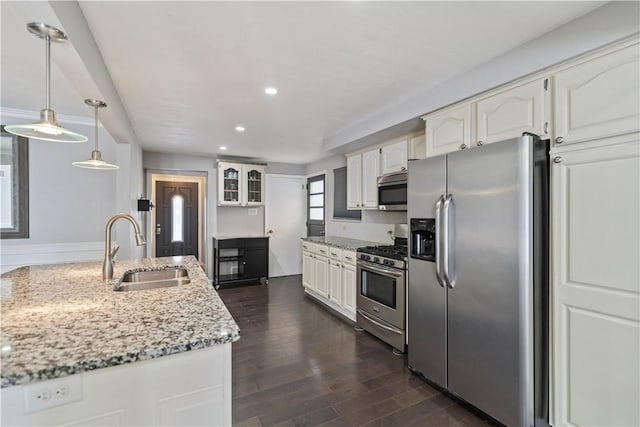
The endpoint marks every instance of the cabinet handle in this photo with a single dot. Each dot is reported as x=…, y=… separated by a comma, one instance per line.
x=546, y=128
x=323, y=252
x=334, y=254
x=559, y=140
x=480, y=143
x=557, y=159
x=463, y=146
x=403, y=168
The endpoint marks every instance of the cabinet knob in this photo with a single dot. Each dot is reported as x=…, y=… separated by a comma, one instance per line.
x=557, y=159
x=463, y=146
x=559, y=140
x=403, y=168
x=480, y=143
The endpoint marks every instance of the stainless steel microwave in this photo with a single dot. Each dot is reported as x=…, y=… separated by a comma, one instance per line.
x=392, y=191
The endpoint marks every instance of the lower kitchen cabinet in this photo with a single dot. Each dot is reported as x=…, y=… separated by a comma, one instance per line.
x=331, y=280
x=595, y=291
x=240, y=260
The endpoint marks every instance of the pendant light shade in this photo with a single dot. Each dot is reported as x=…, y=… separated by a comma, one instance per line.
x=95, y=161
x=47, y=128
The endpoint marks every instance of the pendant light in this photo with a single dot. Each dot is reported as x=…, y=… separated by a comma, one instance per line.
x=95, y=161
x=47, y=128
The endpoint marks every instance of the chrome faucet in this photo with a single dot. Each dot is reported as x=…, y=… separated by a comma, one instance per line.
x=109, y=253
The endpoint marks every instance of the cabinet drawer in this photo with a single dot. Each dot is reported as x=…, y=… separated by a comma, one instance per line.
x=230, y=244
x=349, y=257
x=335, y=253
x=256, y=242
x=316, y=248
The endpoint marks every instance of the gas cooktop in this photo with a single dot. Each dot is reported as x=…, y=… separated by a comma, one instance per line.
x=388, y=251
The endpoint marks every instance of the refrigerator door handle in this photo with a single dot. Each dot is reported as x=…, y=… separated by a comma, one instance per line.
x=446, y=241
x=438, y=241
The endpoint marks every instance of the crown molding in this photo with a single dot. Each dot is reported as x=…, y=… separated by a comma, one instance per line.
x=35, y=115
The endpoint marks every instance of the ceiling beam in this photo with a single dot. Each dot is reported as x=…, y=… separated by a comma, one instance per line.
x=115, y=118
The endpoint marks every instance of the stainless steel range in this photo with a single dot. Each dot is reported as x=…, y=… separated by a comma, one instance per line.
x=382, y=283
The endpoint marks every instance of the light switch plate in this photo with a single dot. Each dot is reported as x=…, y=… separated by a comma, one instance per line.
x=252, y=212
x=47, y=394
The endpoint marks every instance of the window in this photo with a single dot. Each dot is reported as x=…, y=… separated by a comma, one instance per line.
x=177, y=226
x=315, y=206
x=340, y=196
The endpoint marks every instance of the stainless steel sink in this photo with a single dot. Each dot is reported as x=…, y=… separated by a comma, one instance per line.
x=152, y=279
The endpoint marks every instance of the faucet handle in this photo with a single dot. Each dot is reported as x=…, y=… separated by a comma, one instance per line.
x=115, y=250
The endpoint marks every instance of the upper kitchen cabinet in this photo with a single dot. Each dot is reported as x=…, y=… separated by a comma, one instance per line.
x=363, y=170
x=598, y=98
x=510, y=112
x=448, y=130
x=394, y=157
x=240, y=184
x=417, y=147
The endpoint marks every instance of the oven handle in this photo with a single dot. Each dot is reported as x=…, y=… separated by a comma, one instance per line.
x=374, y=267
x=439, y=241
x=388, y=328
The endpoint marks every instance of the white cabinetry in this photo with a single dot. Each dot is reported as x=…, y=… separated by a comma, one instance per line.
x=394, y=157
x=417, y=146
x=596, y=283
x=362, y=187
x=599, y=97
x=185, y=389
x=448, y=130
x=240, y=184
x=349, y=282
x=509, y=113
x=330, y=279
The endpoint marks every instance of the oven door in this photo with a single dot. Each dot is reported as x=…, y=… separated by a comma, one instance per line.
x=381, y=292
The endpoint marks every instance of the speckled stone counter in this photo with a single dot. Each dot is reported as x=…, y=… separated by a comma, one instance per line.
x=340, y=242
x=63, y=319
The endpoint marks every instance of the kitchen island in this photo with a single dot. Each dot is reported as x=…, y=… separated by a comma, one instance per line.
x=67, y=336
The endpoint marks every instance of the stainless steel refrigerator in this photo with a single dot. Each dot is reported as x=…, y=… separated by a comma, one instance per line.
x=478, y=276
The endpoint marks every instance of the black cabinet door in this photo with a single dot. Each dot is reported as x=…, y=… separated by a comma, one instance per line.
x=255, y=262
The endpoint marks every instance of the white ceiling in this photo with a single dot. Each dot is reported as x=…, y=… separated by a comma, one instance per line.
x=188, y=72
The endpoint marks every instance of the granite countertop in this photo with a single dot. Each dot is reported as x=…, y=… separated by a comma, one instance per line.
x=341, y=242
x=62, y=319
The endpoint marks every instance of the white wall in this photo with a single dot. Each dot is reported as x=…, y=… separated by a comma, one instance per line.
x=69, y=206
x=374, y=225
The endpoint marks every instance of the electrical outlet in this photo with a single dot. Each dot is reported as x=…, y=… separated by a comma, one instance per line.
x=47, y=394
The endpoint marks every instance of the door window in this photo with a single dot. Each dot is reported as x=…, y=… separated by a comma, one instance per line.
x=315, y=205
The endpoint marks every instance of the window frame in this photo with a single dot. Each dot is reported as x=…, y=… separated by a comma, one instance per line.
x=314, y=225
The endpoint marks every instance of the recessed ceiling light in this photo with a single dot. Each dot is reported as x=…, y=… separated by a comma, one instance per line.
x=240, y=128
x=222, y=147
x=270, y=90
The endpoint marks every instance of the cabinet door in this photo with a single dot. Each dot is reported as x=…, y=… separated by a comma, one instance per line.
x=335, y=281
x=448, y=130
x=417, y=147
x=349, y=287
x=596, y=285
x=254, y=185
x=507, y=114
x=598, y=98
x=308, y=272
x=394, y=157
x=229, y=184
x=354, y=181
x=370, y=173
x=321, y=270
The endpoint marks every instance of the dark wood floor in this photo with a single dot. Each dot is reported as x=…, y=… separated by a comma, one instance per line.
x=298, y=365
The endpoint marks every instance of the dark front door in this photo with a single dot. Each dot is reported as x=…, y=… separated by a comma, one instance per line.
x=176, y=218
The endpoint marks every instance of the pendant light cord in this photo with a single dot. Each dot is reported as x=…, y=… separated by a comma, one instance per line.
x=48, y=42
x=96, y=136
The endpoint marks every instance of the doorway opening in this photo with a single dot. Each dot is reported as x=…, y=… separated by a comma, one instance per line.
x=177, y=223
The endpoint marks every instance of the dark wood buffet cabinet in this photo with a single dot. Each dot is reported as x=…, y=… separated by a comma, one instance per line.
x=240, y=260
